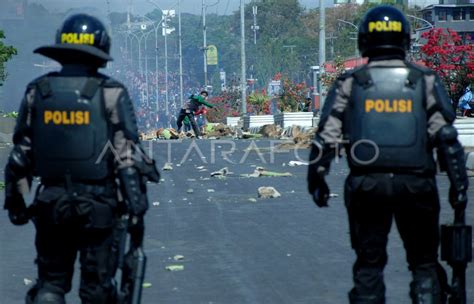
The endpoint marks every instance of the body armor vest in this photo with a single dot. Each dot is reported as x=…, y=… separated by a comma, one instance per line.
x=387, y=122
x=70, y=129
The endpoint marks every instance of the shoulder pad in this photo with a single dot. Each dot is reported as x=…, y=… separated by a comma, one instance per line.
x=35, y=81
x=419, y=68
x=362, y=76
x=110, y=82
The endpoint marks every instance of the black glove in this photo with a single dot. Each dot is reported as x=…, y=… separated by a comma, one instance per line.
x=457, y=198
x=17, y=211
x=321, y=194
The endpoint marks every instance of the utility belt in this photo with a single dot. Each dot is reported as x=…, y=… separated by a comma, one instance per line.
x=95, y=187
x=423, y=173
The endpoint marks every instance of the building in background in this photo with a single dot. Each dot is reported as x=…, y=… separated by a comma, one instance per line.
x=456, y=15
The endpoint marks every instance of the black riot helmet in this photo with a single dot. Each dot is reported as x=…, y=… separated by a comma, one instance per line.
x=81, y=39
x=383, y=29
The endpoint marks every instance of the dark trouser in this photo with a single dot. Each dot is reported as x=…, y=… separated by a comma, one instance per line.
x=182, y=114
x=372, y=202
x=68, y=225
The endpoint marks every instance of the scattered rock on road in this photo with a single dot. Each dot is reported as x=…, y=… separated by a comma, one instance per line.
x=168, y=167
x=268, y=192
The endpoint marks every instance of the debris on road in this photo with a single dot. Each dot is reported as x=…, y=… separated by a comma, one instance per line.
x=222, y=172
x=178, y=257
x=156, y=203
x=168, y=167
x=260, y=171
x=253, y=200
x=190, y=191
x=211, y=190
x=146, y=285
x=174, y=267
x=268, y=192
x=27, y=281
x=294, y=163
x=248, y=135
x=333, y=195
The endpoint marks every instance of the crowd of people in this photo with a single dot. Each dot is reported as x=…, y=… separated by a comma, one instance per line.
x=152, y=110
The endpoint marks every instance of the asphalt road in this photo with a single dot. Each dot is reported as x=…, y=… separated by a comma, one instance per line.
x=237, y=248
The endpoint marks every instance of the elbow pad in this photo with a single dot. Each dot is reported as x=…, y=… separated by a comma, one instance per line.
x=17, y=168
x=451, y=157
x=133, y=190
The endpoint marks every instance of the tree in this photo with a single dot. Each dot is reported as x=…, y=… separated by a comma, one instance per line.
x=332, y=72
x=6, y=53
x=292, y=95
x=451, y=57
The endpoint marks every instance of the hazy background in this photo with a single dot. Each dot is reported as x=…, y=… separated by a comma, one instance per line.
x=142, y=6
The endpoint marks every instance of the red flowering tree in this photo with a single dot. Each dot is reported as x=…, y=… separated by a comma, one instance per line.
x=226, y=104
x=292, y=95
x=334, y=70
x=451, y=57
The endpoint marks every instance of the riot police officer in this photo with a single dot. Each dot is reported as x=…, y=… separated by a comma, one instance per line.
x=389, y=115
x=77, y=132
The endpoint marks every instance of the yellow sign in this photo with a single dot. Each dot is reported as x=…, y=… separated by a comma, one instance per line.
x=67, y=117
x=211, y=54
x=385, y=26
x=388, y=106
x=77, y=38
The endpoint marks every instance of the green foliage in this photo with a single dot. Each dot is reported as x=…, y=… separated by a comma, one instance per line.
x=6, y=53
x=259, y=102
x=10, y=115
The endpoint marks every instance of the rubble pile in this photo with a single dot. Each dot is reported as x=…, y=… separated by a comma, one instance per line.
x=271, y=131
x=218, y=130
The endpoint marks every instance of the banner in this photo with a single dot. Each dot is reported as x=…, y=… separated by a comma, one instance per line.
x=211, y=54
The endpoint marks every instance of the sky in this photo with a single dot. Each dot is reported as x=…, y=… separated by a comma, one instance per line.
x=190, y=6
x=143, y=6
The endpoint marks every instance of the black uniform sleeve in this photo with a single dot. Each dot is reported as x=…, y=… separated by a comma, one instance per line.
x=18, y=171
x=443, y=104
x=126, y=115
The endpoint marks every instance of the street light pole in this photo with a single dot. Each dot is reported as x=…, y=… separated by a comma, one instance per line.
x=204, y=37
x=423, y=20
x=243, y=81
x=180, y=56
x=357, y=31
x=322, y=48
x=165, y=25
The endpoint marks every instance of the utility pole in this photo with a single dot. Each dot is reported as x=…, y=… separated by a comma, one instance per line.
x=243, y=80
x=204, y=46
x=165, y=26
x=255, y=27
x=180, y=55
x=322, y=48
